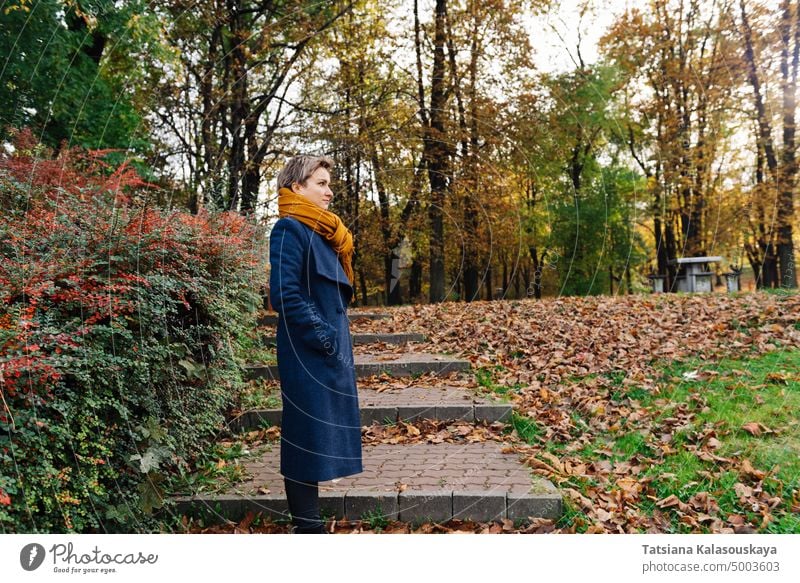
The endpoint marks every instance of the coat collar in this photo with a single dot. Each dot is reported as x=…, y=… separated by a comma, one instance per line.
x=327, y=263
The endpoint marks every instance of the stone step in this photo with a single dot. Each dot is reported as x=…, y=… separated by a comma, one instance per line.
x=406, y=364
x=271, y=319
x=400, y=404
x=370, y=338
x=407, y=482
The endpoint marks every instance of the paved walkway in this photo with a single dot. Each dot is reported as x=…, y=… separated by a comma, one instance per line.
x=417, y=466
x=411, y=483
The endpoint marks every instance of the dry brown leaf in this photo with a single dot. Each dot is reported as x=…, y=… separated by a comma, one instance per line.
x=778, y=378
x=553, y=460
x=756, y=429
x=747, y=469
x=672, y=501
x=742, y=491
x=602, y=515
x=752, y=428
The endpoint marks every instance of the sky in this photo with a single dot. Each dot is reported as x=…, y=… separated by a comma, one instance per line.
x=555, y=35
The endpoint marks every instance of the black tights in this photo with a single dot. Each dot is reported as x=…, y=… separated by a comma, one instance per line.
x=303, y=498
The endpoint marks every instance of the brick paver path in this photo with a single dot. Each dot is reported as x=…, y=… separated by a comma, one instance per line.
x=422, y=466
x=431, y=396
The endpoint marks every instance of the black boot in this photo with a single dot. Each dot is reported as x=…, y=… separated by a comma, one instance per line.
x=303, y=499
x=303, y=527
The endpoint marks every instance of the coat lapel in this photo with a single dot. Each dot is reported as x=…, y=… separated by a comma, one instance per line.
x=327, y=263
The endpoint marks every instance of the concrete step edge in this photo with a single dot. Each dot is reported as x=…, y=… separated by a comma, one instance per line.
x=543, y=501
x=272, y=319
x=362, y=338
x=362, y=369
x=474, y=413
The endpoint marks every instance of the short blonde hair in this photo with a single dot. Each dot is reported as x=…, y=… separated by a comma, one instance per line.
x=300, y=168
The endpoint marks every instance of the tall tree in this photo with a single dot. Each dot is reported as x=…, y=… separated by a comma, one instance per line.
x=238, y=60
x=437, y=150
x=486, y=47
x=682, y=67
x=781, y=165
x=366, y=117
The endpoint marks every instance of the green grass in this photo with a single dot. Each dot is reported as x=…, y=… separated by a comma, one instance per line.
x=780, y=291
x=762, y=389
x=526, y=428
x=376, y=519
x=630, y=444
x=573, y=517
x=259, y=395
x=486, y=381
x=768, y=393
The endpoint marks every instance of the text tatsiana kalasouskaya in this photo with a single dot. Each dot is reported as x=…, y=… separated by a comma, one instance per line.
x=709, y=550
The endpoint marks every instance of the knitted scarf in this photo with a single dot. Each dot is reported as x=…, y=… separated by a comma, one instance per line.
x=323, y=222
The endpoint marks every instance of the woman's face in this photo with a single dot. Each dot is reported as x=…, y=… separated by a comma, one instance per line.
x=317, y=188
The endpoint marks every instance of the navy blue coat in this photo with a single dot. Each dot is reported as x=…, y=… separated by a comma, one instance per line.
x=320, y=425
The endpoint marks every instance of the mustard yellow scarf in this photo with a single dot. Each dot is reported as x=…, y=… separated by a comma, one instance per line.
x=323, y=222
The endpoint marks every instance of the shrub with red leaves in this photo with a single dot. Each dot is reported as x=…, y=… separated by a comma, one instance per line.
x=118, y=331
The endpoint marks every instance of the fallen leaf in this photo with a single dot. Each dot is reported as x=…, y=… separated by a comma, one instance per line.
x=756, y=429
x=749, y=471
x=752, y=428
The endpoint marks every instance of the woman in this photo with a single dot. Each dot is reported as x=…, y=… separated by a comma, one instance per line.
x=311, y=276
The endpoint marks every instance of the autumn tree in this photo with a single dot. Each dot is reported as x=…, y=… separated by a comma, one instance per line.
x=771, y=252
x=682, y=64
x=229, y=93
x=488, y=55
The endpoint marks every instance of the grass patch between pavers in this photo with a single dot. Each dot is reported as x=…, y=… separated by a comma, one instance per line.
x=716, y=436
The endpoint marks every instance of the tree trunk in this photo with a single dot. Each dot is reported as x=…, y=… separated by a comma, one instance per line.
x=671, y=251
x=785, y=251
x=436, y=155
x=526, y=279
x=415, y=279
x=505, y=277
x=537, y=273
x=363, y=281
x=472, y=259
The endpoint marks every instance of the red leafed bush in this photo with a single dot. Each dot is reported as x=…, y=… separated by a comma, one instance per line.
x=118, y=329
